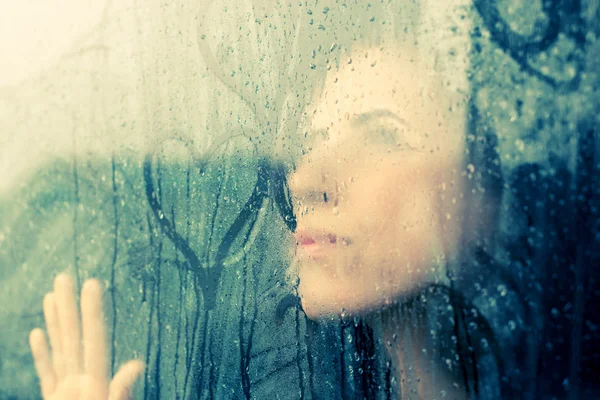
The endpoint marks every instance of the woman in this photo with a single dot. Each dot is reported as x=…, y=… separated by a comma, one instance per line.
x=381, y=201
x=391, y=211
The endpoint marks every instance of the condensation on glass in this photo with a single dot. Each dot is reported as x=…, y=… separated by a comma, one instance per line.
x=445, y=158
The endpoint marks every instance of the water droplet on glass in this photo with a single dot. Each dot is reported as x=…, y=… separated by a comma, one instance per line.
x=520, y=145
x=502, y=290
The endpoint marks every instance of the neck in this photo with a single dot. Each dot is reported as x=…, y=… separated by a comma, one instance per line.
x=417, y=366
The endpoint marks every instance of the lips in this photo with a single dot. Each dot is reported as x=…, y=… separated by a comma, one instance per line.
x=315, y=244
x=307, y=238
x=306, y=241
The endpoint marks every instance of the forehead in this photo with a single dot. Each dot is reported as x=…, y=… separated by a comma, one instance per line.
x=375, y=80
x=372, y=79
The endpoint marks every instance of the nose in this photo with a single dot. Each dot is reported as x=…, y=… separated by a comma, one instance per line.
x=311, y=184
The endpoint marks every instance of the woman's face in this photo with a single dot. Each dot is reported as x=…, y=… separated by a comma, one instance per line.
x=379, y=192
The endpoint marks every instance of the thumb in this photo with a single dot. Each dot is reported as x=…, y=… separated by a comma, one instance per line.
x=121, y=384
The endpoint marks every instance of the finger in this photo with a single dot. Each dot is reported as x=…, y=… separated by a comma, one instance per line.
x=68, y=323
x=94, y=335
x=42, y=362
x=51, y=317
x=121, y=385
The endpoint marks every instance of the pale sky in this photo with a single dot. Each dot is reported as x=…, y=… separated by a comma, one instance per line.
x=35, y=33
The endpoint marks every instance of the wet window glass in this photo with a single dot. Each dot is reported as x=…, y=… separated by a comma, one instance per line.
x=248, y=199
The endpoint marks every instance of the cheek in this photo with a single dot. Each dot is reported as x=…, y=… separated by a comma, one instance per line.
x=400, y=229
x=372, y=204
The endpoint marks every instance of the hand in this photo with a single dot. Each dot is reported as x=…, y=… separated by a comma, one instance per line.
x=77, y=369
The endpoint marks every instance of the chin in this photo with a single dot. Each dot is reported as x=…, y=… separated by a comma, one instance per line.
x=319, y=297
x=328, y=299
x=327, y=292
x=319, y=312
